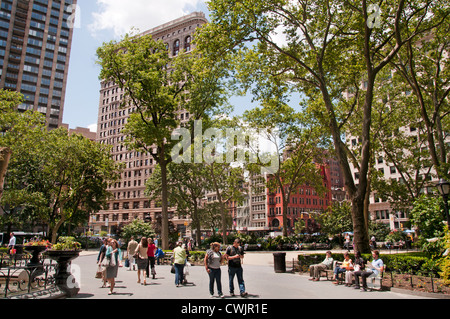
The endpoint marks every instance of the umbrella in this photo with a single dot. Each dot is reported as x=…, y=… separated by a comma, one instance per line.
x=348, y=232
x=409, y=231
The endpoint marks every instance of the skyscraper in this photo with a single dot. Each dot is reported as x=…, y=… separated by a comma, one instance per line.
x=35, y=43
x=129, y=201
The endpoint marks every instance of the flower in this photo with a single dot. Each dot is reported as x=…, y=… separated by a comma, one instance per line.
x=66, y=243
x=36, y=242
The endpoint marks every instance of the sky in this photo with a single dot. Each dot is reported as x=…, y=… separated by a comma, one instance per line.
x=100, y=21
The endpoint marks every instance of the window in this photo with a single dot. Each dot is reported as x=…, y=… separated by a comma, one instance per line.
x=187, y=43
x=176, y=47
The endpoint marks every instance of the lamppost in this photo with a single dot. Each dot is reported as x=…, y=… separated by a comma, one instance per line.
x=444, y=188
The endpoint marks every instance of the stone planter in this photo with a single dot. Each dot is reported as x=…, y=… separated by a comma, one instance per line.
x=35, y=265
x=63, y=278
x=35, y=253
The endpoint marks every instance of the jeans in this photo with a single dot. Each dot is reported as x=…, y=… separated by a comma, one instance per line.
x=215, y=275
x=338, y=270
x=364, y=275
x=238, y=271
x=150, y=265
x=179, y=274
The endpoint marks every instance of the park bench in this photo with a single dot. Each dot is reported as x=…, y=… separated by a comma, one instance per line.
x=376, y=282
x=167, y=260
x=329, y=273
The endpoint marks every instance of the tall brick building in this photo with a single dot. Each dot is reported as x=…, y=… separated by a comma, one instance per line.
x=129, y=201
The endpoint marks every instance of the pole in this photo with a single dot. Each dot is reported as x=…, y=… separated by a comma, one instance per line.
x=445, y=197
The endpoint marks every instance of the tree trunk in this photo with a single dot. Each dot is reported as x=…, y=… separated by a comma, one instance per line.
x=164, y=201
x=196, y=223
x=5, y=155
x=285, y=208
x=56, y=228
x=361, y=236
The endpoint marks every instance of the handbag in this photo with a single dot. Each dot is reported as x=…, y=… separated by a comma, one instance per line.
x=99, y=273
x=112, y=261
x=105, y=262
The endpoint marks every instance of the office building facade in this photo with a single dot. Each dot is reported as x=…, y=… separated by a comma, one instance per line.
x=35, y=43
x=129, y=201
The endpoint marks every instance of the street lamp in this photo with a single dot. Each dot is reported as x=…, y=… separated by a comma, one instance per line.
x=444, y=188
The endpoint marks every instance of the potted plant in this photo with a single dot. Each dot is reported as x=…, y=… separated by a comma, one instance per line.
x=35, y=247
x=63, y=252
x=35, y=265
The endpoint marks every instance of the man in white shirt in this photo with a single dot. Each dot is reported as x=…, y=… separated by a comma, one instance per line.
x=374, y=268
x=12, y=242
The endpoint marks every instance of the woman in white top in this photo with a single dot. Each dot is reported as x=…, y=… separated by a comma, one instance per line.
x=213, y=260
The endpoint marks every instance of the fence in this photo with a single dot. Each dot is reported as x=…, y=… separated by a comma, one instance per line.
x=21, y=280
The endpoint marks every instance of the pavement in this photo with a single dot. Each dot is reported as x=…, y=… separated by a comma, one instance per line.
x=261, y=281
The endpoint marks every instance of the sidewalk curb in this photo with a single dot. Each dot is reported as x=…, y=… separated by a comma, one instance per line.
x=420, y=293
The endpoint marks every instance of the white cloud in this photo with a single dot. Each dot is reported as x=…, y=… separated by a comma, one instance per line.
x=93, y=127
x=120, y=16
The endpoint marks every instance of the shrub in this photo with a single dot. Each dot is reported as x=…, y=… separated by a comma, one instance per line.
x=412, y=263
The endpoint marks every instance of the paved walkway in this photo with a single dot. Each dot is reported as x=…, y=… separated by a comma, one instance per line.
x=262, y=283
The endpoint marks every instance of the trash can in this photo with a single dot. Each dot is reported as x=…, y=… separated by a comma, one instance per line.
x=279, y=261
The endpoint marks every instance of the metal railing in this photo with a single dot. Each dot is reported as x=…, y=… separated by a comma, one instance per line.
x=19, y=279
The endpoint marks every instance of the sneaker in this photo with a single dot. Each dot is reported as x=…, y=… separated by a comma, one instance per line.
x=221, y=296
x=363, y=289
x=232, y=294
x=244, y=294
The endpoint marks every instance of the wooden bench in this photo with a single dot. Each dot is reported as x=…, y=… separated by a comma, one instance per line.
x=329, y=273
x=376, y=282
x=167, y=260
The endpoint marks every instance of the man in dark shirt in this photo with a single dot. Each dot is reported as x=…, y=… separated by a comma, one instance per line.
x=235, y=254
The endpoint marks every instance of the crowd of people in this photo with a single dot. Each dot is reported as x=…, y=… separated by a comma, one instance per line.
x=142, y=257
x=355, y=270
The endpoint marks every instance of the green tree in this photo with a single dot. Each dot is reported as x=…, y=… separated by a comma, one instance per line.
x=225, y=183
x=298, y=146
x=141, y=67
x=187, y=184
x=320, y=49
x=336, y=221
x=159, y=87
x=21, y=134
x=428, y=216
x=138, y=229
x=424, y=67
x=16, y=129
x=55, y=177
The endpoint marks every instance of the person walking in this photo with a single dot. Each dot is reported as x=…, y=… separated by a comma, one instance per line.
x=213, y=260
x=131, y=251
x=151, y=258
x=235, y=255
x=100, y=257
x=142, y=259
x=179, y=255
x=112, y=254
x=11, y=244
